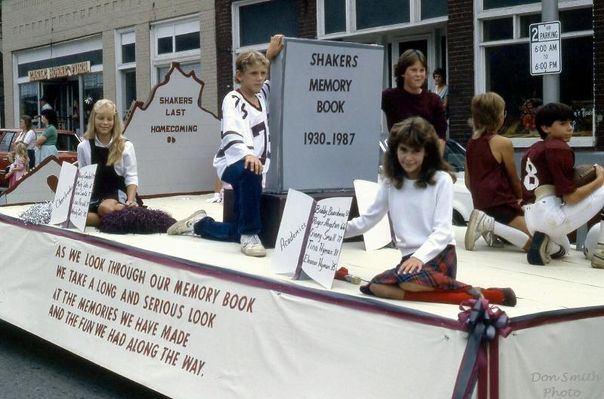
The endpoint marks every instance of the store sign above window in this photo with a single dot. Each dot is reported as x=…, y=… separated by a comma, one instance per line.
x=60, y=71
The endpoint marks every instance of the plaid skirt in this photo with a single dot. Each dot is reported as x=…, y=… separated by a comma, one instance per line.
x=439, y=272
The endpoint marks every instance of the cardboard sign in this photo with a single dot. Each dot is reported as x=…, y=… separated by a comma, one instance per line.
x=379, y=235
x=72, y=197
x=175, y=139
x=325, y=115
x=310, y=237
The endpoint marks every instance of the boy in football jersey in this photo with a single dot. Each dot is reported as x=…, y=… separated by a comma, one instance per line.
x=559, y=207
x=243, y=156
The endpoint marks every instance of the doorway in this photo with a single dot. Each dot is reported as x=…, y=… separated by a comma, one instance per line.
x=63, y=96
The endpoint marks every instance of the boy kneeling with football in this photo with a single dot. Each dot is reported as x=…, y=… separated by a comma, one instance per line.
x=558, y=205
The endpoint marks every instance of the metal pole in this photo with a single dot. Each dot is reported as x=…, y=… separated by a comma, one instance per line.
x=551, y=82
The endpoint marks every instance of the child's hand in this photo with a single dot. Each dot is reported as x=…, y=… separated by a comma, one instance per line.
x=411, y=265
x=599, y=172
x=253, y=164
x=274, y=46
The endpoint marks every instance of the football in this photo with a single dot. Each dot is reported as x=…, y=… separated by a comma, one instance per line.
x=584, y=174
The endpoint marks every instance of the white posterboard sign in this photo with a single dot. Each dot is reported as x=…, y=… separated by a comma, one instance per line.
x=546, y=48
x=81, y=196
x=175, y=138
x=324, y=112
x=72, y=197
x=310, y=236
x=292, y=230
x=379, y=235
x=64, y=193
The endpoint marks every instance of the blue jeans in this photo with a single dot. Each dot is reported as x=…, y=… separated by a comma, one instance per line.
x=247, y=191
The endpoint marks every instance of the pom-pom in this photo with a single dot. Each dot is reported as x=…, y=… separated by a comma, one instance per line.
x=37, y=213
x=136, y=220
x=584, y=174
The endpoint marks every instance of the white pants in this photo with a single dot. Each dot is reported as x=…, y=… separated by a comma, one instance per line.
x=548, y=215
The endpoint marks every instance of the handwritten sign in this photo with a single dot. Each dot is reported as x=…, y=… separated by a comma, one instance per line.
x=325, y=106
x=72, y=196
x=310, y=236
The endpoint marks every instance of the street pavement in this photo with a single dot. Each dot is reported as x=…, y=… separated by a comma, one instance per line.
x=33, y=368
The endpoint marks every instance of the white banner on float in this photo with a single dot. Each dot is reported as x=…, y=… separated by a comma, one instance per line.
x=550, y=361
x=190, y=335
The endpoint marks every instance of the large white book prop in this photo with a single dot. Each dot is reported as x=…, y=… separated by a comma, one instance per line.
x=379, y=235
x=310, y=237
x=72, y=197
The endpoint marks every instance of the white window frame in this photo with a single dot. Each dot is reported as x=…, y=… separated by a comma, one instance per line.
x=516, y=12
x=129, y=34
x=186, y=24
x=351, y=29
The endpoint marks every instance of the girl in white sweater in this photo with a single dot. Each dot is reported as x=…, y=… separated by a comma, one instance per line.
x=417, y=191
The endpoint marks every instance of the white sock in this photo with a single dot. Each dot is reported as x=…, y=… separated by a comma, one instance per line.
x=511, y=234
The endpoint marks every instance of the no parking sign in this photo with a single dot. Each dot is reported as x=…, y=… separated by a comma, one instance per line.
x=545, y=47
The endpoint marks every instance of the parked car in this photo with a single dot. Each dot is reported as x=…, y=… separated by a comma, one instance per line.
x=67, y=144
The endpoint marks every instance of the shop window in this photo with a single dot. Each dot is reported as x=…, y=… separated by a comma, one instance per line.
x=510, y=63
x=177, y=37
x=576, y=20
x=128, y=47
x=128, y=79
x=498, y=29
x=526, y=21
x=488, y=4
x=434, y=8
x=259, y=21
x=186, y=68
x=28, y=99
x=93, y=91
x=334, y=16
x=374, y=13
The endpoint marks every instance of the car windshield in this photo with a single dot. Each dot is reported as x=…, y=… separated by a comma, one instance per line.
x=455, y=155
x=7, y=139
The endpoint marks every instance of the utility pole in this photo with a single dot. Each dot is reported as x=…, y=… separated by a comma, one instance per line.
x=551, y=82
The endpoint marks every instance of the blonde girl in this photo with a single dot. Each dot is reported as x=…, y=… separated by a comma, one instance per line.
x=116, y=180
x=19, y=166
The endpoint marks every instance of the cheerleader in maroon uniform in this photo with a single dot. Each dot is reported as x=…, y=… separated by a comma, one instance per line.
x=490, y=175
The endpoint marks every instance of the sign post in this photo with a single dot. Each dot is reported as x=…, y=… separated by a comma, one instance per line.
x=546, y=48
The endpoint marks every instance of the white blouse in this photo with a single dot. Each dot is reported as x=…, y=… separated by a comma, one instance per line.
x=126, y=167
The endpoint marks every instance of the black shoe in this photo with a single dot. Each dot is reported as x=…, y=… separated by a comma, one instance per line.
x=537, y=253
x=509, y=297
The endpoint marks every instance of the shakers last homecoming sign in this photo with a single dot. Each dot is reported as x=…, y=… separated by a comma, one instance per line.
x=172, y=126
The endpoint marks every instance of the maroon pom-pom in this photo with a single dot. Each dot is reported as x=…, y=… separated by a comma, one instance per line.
x=136, y=220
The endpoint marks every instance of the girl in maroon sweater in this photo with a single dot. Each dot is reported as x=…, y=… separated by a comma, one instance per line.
x=410, y=98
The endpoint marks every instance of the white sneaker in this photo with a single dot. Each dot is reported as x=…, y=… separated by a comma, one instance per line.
x=252, y=246
x=597, y=259
x=185, y=226
x=479, y=224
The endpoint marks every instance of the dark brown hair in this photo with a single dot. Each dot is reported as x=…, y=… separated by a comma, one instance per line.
x=415, y=132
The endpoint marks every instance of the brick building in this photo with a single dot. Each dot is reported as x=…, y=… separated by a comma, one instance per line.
x=75, y=52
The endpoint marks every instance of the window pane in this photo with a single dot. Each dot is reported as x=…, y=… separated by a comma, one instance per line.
x=186, y=68
x=525, y=21
x=575, y=20
x=505, y=64
x=28, y=99
x=335, y=15
x=372, y=13
x=434, y=8
x=258, y=22
x=488, y=4
x=128, y=53
x=187, y=41
x=164, y=45
x=498, y=29
x=129, y=88
x=93, y=91
x=576, y=81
